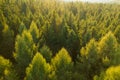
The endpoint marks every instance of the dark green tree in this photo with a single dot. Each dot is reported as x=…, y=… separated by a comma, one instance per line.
x=7, y=43
x=24, y=48
x=117, y=33
x=34, y=31
x=22, y=27
x=46, y=53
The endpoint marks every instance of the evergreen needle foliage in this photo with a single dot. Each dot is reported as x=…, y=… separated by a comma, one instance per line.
x=59, y=40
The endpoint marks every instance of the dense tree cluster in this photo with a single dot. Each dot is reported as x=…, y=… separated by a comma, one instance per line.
x=55, y=40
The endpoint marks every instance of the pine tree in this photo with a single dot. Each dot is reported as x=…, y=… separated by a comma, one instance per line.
x=117, y=33
x=88, y=60
x=23, y=51
x=72, y=43
x=108, y=48
x=7, y=43
x=34, y=31
x=112, y=73
x=21, y=28
x=62, y=65
x=38, y=69
x=4, y=64
x=46, y=53
x=6, y=70
x=10, y=74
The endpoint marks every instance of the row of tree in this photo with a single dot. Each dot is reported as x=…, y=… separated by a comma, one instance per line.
x=54, y=40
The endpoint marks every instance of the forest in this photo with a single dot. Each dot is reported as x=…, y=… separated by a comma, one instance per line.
x=57, y=40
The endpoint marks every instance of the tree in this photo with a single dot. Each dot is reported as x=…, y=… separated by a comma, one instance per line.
x=108, y=48
x=46, y=53
x=89, y=60
x=62, y=65
x=50, y=37
x=4, y=64
x=72, y=43
x=112, y=73
x=38, y=69
x=7, y=43
x=24, y=48
x=34, y=31
x=117, y=33
x=10, y=74
x=21, y=28
x=6, y=70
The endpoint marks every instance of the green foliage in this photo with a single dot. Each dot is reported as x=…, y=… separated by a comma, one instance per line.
x=72, y=43
x=24, y=47
x=62, y=65
x=108, y=48
x=46, y=53
x=101, y=77
x=112, y=73
x=89, y=62
x=4, y=64
x=45, y=26
x=6, y=70
x=21, y=28
x=117, y=33
x=7, y=41
x=38, y=69
x=116, y=60
x=34, y=31
x=10, y=74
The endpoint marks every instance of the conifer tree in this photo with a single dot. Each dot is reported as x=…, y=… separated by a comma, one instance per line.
x=108, y=48
x=62, y=65
x=72, y=43
x=112, y=73
x=6, y=70
x=117, y=33
x=23, y=51
x=4, y=64
x=21, y=28
x=46, y=53
x=34, y=31
x=88, y=60
x=38, y=69
x=7, y=43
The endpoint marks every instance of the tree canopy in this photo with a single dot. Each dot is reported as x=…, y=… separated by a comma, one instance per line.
x=59, y=40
